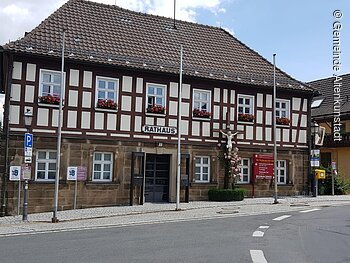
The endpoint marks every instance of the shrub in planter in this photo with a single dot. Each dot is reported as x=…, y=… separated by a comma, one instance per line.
x=236, y=194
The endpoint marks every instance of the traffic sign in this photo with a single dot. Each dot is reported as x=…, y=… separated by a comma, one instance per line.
x=28, y=152
x=26, y=172
x=72, y=173
x=28, y=140
x=15, y=173
x=27, y=159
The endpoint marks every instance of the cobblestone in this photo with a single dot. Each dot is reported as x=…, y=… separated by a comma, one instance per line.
x=158, y=213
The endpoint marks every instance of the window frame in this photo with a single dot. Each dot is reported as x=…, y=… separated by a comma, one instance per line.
x=201, y=101
x=251, y=105
x=278, y=171
x=102, y=162
x=201, y=165
x=116, y=89
x=46, y=161
x=240, y=172
x=281, y=109
x=41, y=77
x=163, y=86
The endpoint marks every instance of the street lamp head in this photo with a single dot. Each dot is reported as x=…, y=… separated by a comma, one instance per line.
x=314, y=128
x=28, y=117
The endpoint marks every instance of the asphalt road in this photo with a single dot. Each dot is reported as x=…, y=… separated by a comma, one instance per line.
x=314, y=236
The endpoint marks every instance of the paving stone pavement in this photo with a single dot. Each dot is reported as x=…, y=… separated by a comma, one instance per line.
x=159, y=213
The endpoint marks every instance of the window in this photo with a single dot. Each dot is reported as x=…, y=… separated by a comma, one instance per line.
x=316, y=103
x=201, y=100
x=244, y=176
x=245, y=104
x=282, y=109
x=281, y=172
x=106, y=90
x=202, y=169
x=50, y=83
x=155, y=98
x=46, y=165
x=102, y=167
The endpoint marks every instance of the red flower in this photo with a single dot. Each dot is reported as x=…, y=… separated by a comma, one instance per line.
x=246, y=117
x=156, y=109
x=106, y=104
x=282, y=121
x=49, y=99
x=201, y=113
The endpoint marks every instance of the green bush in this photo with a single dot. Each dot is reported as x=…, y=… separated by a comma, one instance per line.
x=341, y=185
x=236, y=194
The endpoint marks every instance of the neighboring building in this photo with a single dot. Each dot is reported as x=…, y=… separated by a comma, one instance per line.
x=335, y=148
x=133, y=59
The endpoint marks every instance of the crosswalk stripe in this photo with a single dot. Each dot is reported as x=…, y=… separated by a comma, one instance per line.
x=258, y=256
x=281, y=217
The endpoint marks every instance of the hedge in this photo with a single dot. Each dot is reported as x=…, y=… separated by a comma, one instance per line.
x=236, y=194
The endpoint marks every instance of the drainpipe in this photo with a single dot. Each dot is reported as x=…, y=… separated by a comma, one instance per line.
x=7, y=80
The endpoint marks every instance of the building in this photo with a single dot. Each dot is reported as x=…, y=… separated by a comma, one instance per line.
x=336, y=144
x=133, y=60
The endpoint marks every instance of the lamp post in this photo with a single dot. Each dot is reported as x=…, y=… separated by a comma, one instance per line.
x=28, y=117
x=314, y=130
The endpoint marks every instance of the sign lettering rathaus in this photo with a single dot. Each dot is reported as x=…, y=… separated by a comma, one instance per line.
x=159, y=129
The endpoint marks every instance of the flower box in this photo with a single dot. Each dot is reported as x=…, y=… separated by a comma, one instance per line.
x=201, y=113
x=49, y=99
x=106, y=104
x=282, y=121
x=246, y=117
x=158, y=109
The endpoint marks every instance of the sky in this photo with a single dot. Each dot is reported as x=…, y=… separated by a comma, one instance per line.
x=299, y=32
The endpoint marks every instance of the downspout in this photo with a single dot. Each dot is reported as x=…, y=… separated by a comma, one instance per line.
x=7, y=61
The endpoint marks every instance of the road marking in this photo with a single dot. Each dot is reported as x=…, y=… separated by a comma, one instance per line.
x=258, y=256
x=281, y=217
x=258, y=233
x=263, y=227
x=310, y=210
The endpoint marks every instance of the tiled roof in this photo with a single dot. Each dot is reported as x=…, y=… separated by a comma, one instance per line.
x=325, y=88
x=116, y=36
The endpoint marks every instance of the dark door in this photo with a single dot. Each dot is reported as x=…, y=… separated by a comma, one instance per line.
x=157, y=178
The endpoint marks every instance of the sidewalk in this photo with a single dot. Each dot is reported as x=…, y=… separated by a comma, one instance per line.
x=165, y=212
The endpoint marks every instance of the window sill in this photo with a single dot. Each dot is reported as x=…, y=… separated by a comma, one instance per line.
x=283, y=125
x=246, y=122
x=48, y=105
x=201, y=119
x=106, y=110
x=108, y=183
x=161, y=115
x=46, y=181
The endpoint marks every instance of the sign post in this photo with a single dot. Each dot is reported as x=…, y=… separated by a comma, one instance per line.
x=72, y=175
x=334, y=172
x=26, y=170
x=15, y=175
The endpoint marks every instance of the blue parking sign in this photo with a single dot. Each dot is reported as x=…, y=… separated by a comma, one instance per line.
x=28, y=140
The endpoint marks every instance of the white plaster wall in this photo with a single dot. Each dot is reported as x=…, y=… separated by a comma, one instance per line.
x=127, y=84
x=172, y=123
x=259, y=117
x=268, y=101
x=111, y=121
x=259, y=101
x=302, y=136
x=232, y=97
x=17, y=70
x=224, y=112
x=173, y=89
x=160, y=121
x=99, y=121
x=149, y=120
x=72, y=119
x=216, y=95
x=138, y=123
x=249, y=132
x=139, y=85
x=172, y=108
x=15, y=92
x=195, y=128
x=126, y=103
x=295, y=119
x=232, y=114
x=138, y=106
x=73, y=98
x=85, y=120
x=29, y=94
x=216, y=112
x=259, y=135
x=296, y=103
x=268, y=118
x=268, y=134
x=206, y=128
x=286, y=135
x=55, y=118
x=184, y=127
x=186, y=91
x=225, y=95
x=125, y=123
x=185, y=109
x=278, y=134
x=294, y=135
x=305, y=105
x=87, y=79
x=74, y=77
x=43, y=117
x=31, y=71
x=14, y=114
x=86, y=99
x=303, y=122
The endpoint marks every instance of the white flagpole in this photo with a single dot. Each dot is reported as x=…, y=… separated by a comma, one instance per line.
x=59, y=134
x=274, y=130
x=179, y=137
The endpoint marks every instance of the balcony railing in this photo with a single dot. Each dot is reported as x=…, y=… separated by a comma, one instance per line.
x=330, y=142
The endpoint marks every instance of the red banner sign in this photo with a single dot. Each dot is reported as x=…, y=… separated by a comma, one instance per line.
x=263, y=166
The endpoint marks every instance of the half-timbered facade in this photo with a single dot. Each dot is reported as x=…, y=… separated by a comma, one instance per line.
x=121, y=98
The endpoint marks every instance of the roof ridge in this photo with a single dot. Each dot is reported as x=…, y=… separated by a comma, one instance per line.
x=323, y=79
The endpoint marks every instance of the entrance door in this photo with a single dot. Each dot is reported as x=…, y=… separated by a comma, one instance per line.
x=157, y=178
